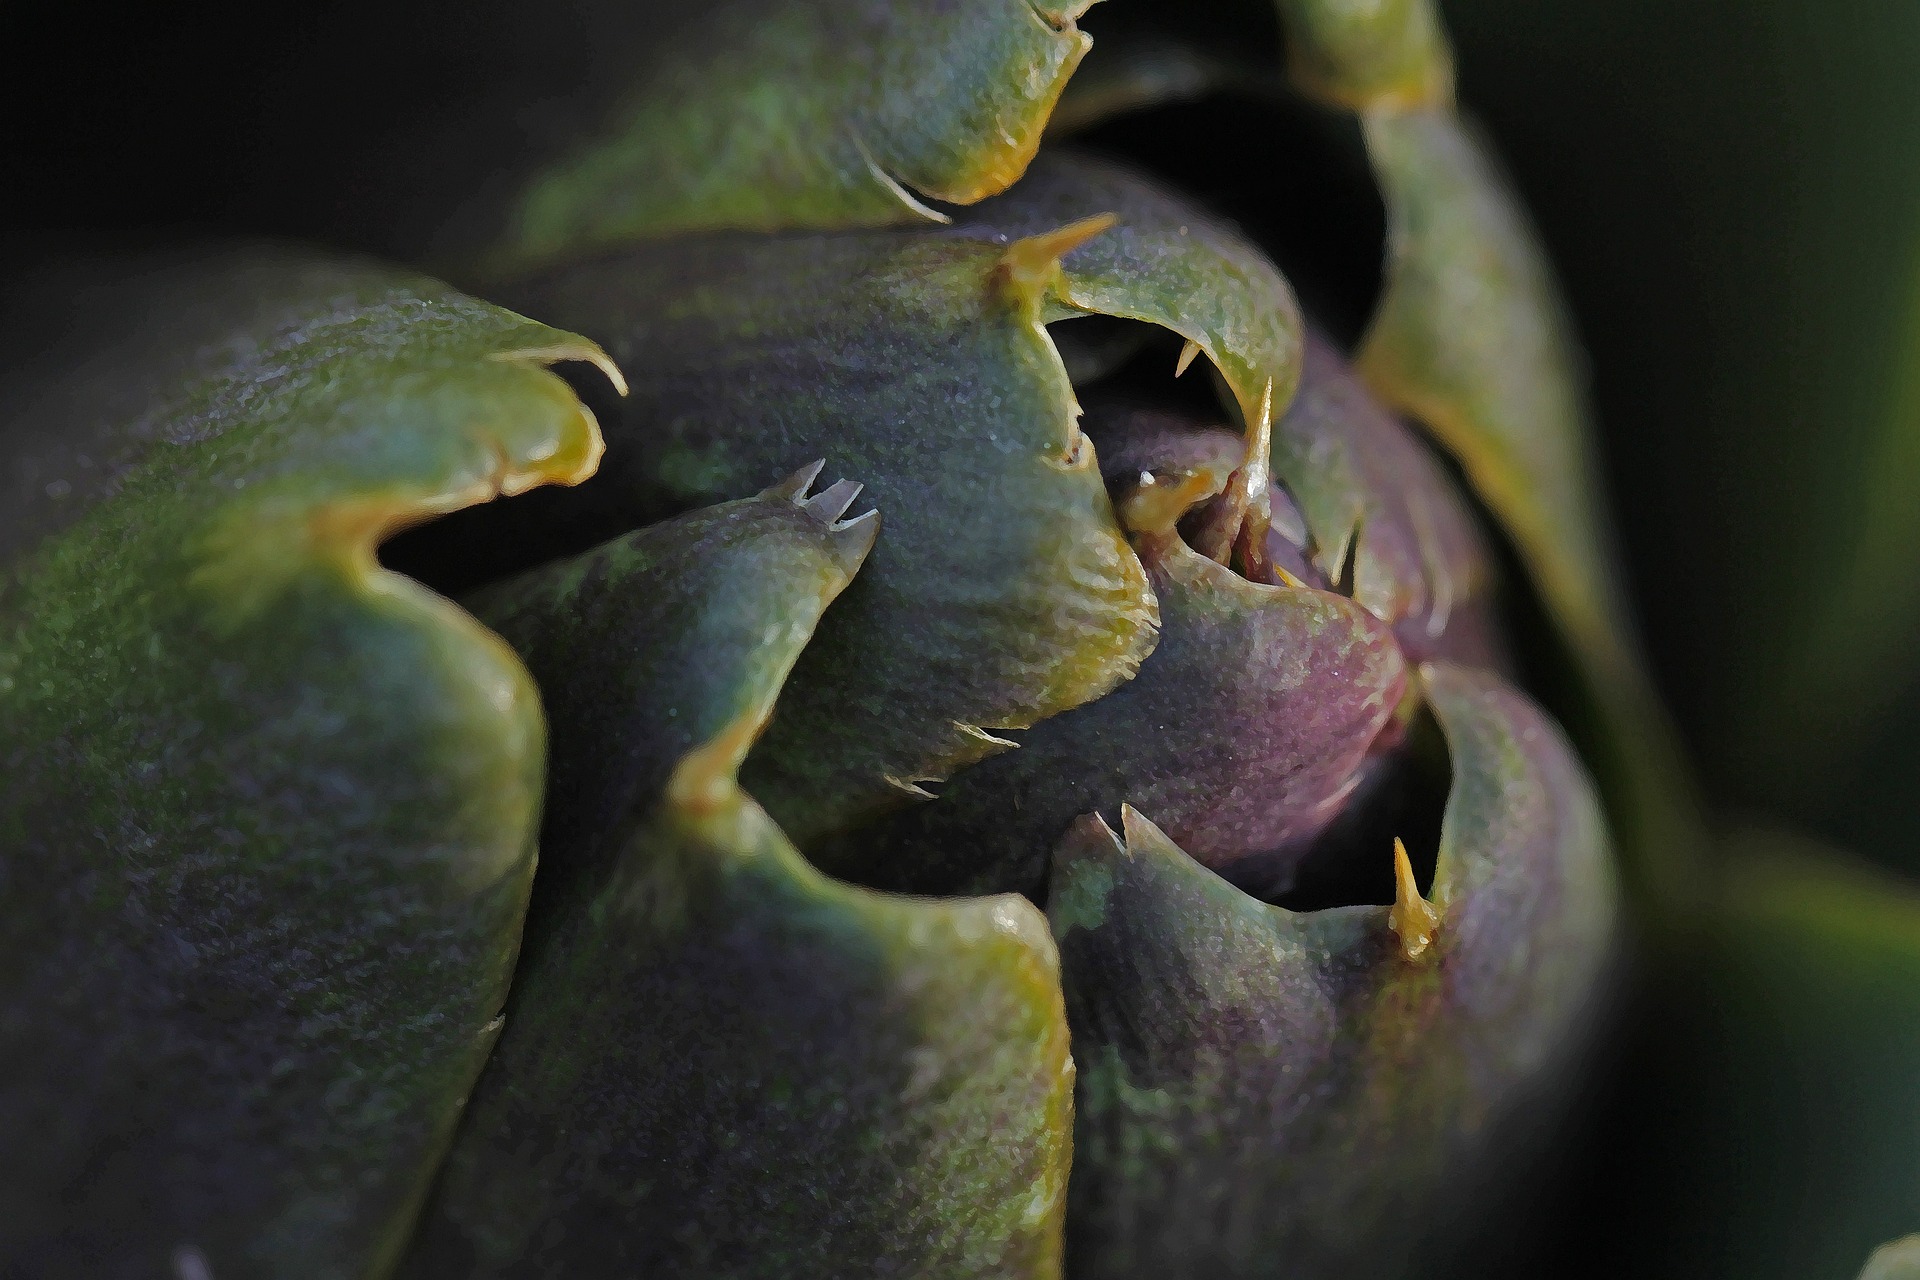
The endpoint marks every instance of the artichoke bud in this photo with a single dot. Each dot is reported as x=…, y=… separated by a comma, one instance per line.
x=1002, y=879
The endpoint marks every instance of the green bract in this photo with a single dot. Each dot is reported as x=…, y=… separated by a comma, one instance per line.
x=1136, y=840
x=270, y=810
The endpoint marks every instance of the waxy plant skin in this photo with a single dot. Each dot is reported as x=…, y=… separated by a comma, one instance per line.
x=1013, y=747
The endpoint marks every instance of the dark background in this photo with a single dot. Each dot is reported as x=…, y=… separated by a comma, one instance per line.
x=1731, y=190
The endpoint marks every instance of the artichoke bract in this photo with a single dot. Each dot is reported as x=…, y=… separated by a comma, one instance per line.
x=1030, y=769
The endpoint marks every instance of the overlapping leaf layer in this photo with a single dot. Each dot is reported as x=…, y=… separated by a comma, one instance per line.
x=1133, y=672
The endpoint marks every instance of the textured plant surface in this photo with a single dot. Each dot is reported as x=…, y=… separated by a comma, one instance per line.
x=1014, y=747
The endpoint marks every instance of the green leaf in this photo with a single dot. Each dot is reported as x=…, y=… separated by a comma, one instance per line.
x=1469, y=339
x=765, y=115
x=1004, y=591
x=1369, y=53
x=718, y=1061
x=268, y=810
x=1343, y=53
x=1164, y=261
x=1258, y=1084
x=653, y=643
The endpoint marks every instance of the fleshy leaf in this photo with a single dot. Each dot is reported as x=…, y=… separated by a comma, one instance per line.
x=1369, y=53
x=267, y=812
x=756, y=115
x=1177, y=452
x=1166, y=262
x=1470, y=340
x=1260, y=1085
x=1245, y=731
x=1363, y=504
x=1354, y=54
x=1004, y=592
x=651, y=644
x=718, y=1061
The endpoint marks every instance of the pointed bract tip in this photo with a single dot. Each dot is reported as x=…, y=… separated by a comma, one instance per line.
x=587, y=352
x=1143, y=835
x=832, y=502
x=1413, y=918
x=1030, y=265
x=908, y=786
x=795, y=486
x=1090, y=833
x=857, y=535
x=1187, y=354
x=1258, y=460
x=980, y=734
x=614, y=374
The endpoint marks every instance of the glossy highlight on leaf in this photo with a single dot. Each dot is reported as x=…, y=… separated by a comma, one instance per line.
x=717, y=1060
x=1259, y=1084
x=268, y=810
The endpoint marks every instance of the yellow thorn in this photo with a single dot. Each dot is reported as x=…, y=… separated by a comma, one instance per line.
x=1030, y=266
x=1256, y=467
x=1157, y=504
x=1287, y=579
x=1412, y=917
x=1187, y=353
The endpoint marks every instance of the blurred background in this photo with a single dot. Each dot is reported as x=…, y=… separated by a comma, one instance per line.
x=1731, y=191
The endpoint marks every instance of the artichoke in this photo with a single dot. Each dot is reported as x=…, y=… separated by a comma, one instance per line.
x=1009, y=744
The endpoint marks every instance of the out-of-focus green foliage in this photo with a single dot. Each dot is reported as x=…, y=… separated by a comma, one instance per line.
x=1895, y=1260
x=1775, y=1117
x=1729, y=187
